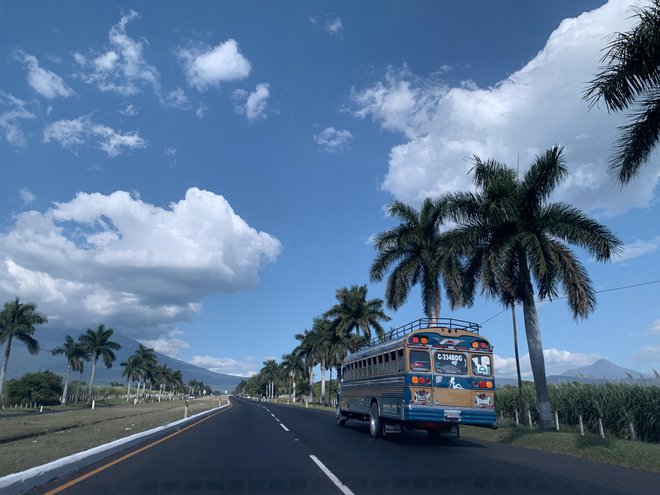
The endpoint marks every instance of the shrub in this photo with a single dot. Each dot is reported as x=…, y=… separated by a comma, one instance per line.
x=42, y=387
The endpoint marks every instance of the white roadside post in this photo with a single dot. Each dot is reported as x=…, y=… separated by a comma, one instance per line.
x=185, y=411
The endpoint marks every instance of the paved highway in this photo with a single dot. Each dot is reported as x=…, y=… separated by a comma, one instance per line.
x=263, y=448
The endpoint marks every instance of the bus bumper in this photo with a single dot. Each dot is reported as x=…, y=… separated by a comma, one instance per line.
x=463, y=416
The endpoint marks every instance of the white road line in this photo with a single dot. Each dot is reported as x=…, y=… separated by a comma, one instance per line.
x=272, y=414
x=344, y=489
x=285, y=428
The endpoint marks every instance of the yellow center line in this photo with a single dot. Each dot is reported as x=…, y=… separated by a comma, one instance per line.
x=131, y=454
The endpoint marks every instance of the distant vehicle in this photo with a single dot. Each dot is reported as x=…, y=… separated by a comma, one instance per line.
x=433, y=375
x=191, y=396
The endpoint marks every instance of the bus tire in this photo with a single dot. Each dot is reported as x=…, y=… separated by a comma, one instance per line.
x=340, y=418
x=375, y=423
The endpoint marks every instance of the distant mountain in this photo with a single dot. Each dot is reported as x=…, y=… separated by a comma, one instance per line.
x=604, y=370
x=21, y=362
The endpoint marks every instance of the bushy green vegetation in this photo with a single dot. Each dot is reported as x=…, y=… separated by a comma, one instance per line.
x=616, y=404
x=41, y=388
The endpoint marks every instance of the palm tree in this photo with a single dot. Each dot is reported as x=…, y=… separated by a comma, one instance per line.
x=17, y=320
x=293, y=367
x=97, y=344
x=307, y=351
x=79, y=365
x=354, y=313
x=270, y=373
x=148, y=362
x=131, y=371
x=632, y=77
x=513, y=238
x=74, y=356
x=415, y=247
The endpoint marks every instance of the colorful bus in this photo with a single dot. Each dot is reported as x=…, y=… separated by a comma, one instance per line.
x=432, y=374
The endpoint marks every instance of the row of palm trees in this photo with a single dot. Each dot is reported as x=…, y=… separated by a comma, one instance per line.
x=18, y=322
x=344, y=327
x=142, y=366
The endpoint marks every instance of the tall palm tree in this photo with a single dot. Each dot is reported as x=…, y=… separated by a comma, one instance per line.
x=97, y=344
x=354, y=313
x=293, y=367
x=415, y=250
x=148, y=362
x=74, y=356
x=306, y=349
x=79, y=365
x=17, y=320
x=515, y=239
x=270, y=373
x=131, y=371
x=631, y=77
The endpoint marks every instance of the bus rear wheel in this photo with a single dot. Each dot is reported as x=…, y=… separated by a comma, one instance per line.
x=375, y=424
x=340, y=418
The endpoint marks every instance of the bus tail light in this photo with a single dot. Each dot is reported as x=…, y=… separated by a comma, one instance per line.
x=415, y=380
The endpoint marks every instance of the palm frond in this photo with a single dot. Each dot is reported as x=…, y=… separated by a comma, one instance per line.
x=546, y=172
x=637, y=139
x=569, y=224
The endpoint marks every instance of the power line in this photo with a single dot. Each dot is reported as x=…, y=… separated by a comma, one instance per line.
x=597, y=292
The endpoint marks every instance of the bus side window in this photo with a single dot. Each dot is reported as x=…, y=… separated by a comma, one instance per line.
x=380, y=364
x=393, y=361
x=399, y=355
x=386, y=366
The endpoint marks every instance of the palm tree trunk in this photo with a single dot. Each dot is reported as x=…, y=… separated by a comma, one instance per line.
x=432, y=300
x=66, y=385
x=3, y=371
x=91, y=383
x=323, y=382
x=330, y=387
x=128, y=390
x=78, y=386
x=521, y=398
x=536, y=358
x=294, y=389
x=311, y=384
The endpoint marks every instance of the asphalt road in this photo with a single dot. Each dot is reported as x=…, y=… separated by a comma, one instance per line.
x=263, y=448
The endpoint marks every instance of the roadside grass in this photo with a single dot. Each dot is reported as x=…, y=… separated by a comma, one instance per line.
x=610, y=450
x=32, y=440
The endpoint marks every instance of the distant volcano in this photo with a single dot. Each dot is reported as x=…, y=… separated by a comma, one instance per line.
x=604, y=370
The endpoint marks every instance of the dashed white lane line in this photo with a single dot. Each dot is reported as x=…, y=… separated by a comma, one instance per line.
x=344, y=489
x=285, y=428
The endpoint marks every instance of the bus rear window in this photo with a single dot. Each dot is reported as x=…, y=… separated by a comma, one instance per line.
x=481, y=365
x=419, y=361
x=452, y=363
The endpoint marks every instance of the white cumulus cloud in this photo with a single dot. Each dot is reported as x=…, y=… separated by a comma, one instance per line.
x=332, y=140
x=27, y=196
x=138, y=267
x=44, y=82
x=121, y=67
x=71, y=134
x=229, y=366
x=252, y=105
x=206, y=67
x=170, y=344
x=535, y=108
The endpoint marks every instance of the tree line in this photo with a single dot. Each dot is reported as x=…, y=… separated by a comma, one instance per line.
x=18, y=322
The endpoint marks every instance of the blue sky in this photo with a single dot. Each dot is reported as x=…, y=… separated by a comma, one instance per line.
x=203, y=179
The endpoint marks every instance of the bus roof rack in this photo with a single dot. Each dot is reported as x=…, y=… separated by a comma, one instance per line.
x=421, y=323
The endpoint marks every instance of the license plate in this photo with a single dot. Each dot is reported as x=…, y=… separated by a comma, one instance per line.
x=392, y=428
x=452, y=414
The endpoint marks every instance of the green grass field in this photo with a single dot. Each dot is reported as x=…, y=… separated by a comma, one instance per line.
x=34, y=439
